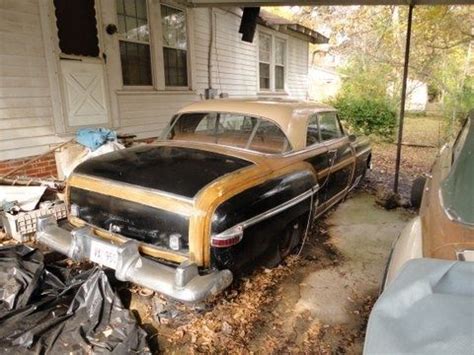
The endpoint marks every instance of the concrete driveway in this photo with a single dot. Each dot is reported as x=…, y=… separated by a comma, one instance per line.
x=318, y=303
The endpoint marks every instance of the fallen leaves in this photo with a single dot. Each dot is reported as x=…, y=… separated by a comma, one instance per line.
x=234, y=317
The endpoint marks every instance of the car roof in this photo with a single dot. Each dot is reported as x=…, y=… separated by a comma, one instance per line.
x=290, y=115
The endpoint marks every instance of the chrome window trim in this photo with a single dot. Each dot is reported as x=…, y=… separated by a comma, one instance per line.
x=267, y=214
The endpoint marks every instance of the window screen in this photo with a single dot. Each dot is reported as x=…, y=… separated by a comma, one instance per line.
x=174, y=46
x=77, y=27
x=134, y=39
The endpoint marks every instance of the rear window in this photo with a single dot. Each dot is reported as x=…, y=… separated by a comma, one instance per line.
x=229, y=129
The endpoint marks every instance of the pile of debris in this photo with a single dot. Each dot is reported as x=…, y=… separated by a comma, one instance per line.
x=23, y=199
x=50, y=307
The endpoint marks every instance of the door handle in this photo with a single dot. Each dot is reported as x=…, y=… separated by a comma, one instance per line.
x=332, y=151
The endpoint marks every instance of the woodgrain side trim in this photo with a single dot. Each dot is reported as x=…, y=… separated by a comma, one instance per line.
x=220, y=191
x=137, y=194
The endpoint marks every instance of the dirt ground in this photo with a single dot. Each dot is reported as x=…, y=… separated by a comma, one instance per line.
x=422, y=138
x=315, y=303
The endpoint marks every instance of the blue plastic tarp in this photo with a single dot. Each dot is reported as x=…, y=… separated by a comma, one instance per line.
x=93, y=138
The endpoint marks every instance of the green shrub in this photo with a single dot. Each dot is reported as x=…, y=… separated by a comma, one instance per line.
x=367, y=116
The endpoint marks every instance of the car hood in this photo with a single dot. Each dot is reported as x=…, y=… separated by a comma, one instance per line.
x=181, y=171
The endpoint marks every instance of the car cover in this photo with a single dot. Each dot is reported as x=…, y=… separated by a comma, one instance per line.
x=427, y=309
x=53, y=309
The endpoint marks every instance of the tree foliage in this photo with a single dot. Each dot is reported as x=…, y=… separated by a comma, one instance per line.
x=367, y=115
x=371, y=41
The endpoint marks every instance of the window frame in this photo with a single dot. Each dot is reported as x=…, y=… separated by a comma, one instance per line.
x=338, y=125
x=149, y=43
x=156, y=49
x=310, y=117
x=162, y=46
x=274, y=38
x=269, y=63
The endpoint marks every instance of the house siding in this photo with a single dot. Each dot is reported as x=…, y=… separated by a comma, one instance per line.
x=27, y=126
x=26, y=119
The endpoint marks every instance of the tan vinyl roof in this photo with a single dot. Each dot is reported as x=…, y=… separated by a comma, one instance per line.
x=290, y=115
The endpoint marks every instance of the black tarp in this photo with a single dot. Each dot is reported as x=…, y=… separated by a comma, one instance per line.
x=51, y=309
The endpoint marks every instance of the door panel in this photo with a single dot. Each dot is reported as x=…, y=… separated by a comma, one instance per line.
x=84, y=93
x=342, y=167
x=82, y=68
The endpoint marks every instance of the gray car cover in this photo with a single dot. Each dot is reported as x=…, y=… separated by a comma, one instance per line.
x=427, y=309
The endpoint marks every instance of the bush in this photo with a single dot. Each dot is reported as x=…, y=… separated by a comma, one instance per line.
x=367, y=116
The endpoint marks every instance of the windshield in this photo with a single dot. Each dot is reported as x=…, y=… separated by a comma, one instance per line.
x=229, y=129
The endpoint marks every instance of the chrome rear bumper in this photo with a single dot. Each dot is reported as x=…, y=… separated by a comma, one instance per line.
x=182, y=283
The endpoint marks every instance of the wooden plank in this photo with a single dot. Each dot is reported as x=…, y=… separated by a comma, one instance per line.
x=25, y=122
x=30, y=142
x=25, y=102
x=8, y=134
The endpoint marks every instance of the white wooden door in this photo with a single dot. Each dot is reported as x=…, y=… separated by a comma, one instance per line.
x=84, y=92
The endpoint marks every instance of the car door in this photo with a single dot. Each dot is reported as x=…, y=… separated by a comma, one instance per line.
x=340, y=156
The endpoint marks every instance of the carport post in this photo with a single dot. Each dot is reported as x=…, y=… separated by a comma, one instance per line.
x=402, y=101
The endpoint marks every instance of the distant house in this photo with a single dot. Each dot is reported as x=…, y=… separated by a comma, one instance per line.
x=324, y=80
x=324, y=83
x=417, y=96
x=129, y=65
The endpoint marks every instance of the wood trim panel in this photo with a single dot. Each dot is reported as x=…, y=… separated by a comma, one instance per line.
x=133, y=193
x=210, y=198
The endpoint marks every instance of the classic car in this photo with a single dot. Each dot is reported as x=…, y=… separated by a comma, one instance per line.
x=231, y=184
x=444, y=228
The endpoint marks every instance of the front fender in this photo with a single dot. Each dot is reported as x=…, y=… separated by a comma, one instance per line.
x=409, y=245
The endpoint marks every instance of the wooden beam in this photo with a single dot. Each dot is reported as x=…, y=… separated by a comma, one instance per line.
x=243, y=3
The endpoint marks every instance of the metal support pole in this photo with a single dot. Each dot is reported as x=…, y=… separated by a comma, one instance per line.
x=402, y=101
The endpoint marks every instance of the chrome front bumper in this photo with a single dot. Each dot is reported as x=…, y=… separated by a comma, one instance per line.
x=182, y=283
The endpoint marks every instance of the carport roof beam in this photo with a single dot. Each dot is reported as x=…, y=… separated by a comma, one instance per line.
x=244, y=3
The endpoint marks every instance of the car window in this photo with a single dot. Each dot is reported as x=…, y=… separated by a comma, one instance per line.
x=460, y=140
x=230, y=129
x=329, y=126
x=312, y=134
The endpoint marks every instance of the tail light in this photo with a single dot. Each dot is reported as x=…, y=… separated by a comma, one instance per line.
x=228, y=238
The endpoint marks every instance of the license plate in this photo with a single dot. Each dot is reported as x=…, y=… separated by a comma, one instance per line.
x=104, y=254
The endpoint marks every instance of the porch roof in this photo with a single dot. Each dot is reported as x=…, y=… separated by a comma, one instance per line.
x=282, y=24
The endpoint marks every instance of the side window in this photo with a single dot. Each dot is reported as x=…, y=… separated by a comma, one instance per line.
x=207, y=124
x=269, y=138
x=460, y=140
x=329, y=126
x=312, y=135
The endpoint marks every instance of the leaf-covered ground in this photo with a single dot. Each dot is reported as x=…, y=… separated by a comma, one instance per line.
x=421, y=141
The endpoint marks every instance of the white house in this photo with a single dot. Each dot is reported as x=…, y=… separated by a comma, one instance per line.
x=130, y=64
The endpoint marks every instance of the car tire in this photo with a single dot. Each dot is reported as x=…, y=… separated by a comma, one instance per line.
x=417, y=189
x=292, y=237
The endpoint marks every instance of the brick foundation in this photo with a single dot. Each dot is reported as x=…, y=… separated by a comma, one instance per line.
x=43, y=168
